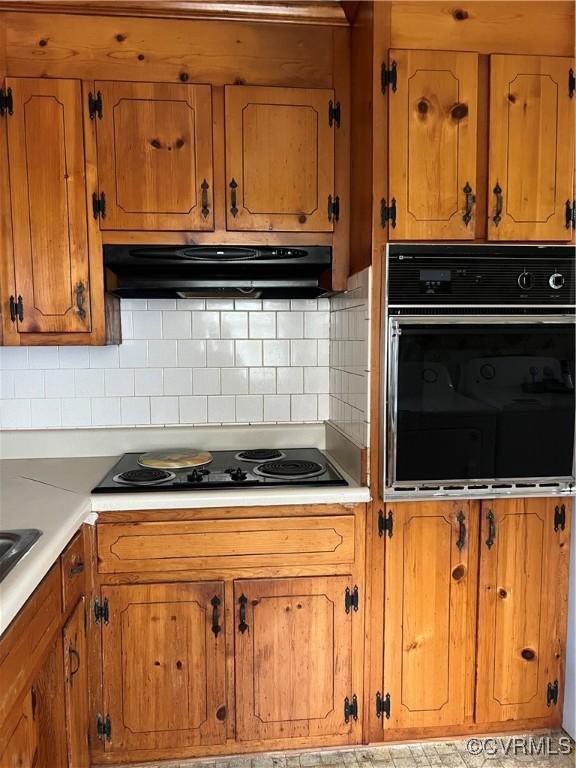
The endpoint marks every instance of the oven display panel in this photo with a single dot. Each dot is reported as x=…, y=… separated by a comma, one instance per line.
x=435, y=281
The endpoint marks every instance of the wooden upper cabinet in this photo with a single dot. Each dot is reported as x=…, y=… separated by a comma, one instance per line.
x=155, y=156
x=279, y=159
x=433, y=145
x=164, y=666
x=429, y=614
x=522, y=608
x=531, y=148
x=293, y=658
x=49, y=207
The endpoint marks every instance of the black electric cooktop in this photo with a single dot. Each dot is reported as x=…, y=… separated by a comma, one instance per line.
x=259, y=468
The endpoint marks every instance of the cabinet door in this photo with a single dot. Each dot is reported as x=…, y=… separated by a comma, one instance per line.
x=76, y=681
x=19, y=749
x=164, y=666
x=432, y=159
x=48, y=709
x=531, y=148
x=429, y=628
x=48, y=196
x=279, y=159
x=522, y=608
x=155, y=156
x=293, y=657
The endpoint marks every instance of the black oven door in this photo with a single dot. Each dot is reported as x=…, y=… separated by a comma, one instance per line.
x=480, y=400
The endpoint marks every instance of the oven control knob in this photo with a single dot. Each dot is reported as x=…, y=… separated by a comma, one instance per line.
x=237, y=474
x=525, y=280
x=556, y=281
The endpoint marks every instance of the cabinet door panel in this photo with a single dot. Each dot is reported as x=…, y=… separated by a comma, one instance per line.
x=293, y=662
x=280, y=157
x=155, y=155
x=48, y=195
x=19, y=738
x=531, y=147
x=429, y=589
x=76, y=680
x=433, y=124
x=163, y=665
x=521, y=611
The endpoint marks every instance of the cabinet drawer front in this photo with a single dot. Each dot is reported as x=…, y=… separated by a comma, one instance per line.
x=175, y=546
x=73, y=572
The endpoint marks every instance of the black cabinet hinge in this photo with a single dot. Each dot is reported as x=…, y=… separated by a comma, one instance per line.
x=101, y=611
x=95, y=105
x=385, y=523
x=6, y=102
x=334, y=113
x=351, y=599
x=16, y=309
x=383, y=705
x=350, y=708
x=333, y=208
x=99, y=205
x=559, y=518
x=388, y=77
x=552, y=693
x=571, y=83
x=387, y=212
x=104, y=727
x=570, y=214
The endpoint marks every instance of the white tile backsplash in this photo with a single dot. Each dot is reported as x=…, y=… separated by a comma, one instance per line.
x=187, y=361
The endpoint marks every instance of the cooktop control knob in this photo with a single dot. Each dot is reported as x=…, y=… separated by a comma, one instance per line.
x=237, y=474
x=556, y=281
x=525, y=280
x=197, y=475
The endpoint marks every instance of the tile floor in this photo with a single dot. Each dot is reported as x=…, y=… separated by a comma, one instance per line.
x=451, y=754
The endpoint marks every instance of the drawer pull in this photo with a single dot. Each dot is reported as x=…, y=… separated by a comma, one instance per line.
x=242, y=601
x=462, y=530
x=216, y=628
x=73, y=654
x=76, y=569
x=491, y=529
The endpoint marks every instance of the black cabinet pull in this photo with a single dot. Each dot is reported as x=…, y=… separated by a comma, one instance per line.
x=491, y=529
x=12, y=309
x=216, y=628
x=497, y=218
x=242, y=601
x=462, y=530
x=205, y=207
x=73, y=654
x=76, y=568
x=233, y=206
x=468, y=204
x=80, y=292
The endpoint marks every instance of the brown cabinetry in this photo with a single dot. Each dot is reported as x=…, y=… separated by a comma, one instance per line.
x=293, y=654
x=442, y=158
x=164, y=665
x=19, y=748
x=280, y=159
x=154, y=156
x=522, y=608
x=430, y=593
x=531, y=172
x=433, y=126
x=76, y=687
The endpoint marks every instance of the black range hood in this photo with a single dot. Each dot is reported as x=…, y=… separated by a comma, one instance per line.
x=230, y=271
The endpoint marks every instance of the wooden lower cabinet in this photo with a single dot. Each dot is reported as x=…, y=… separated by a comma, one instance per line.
x=522, y=609
x=76, y=687
x=20, y=749
x=164, y=666
x=428, y=615
x=293, y=652
x=48, y=709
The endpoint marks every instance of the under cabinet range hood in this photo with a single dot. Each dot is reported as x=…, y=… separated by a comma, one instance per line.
x=230, y=271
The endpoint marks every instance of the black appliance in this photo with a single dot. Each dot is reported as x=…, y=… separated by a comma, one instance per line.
x=231, y=271
x=480, y=367
x=260, y=468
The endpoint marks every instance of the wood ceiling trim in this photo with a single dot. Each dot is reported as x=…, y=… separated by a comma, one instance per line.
x=328, y=12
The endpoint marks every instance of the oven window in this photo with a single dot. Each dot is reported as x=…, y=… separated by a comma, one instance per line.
x=484, y=402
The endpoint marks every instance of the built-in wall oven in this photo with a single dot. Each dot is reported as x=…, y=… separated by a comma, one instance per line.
x=480, y=367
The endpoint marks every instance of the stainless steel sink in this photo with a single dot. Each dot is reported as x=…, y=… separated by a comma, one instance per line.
x=14, y=545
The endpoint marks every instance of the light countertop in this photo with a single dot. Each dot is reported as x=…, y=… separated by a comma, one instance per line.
x=54, y=496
